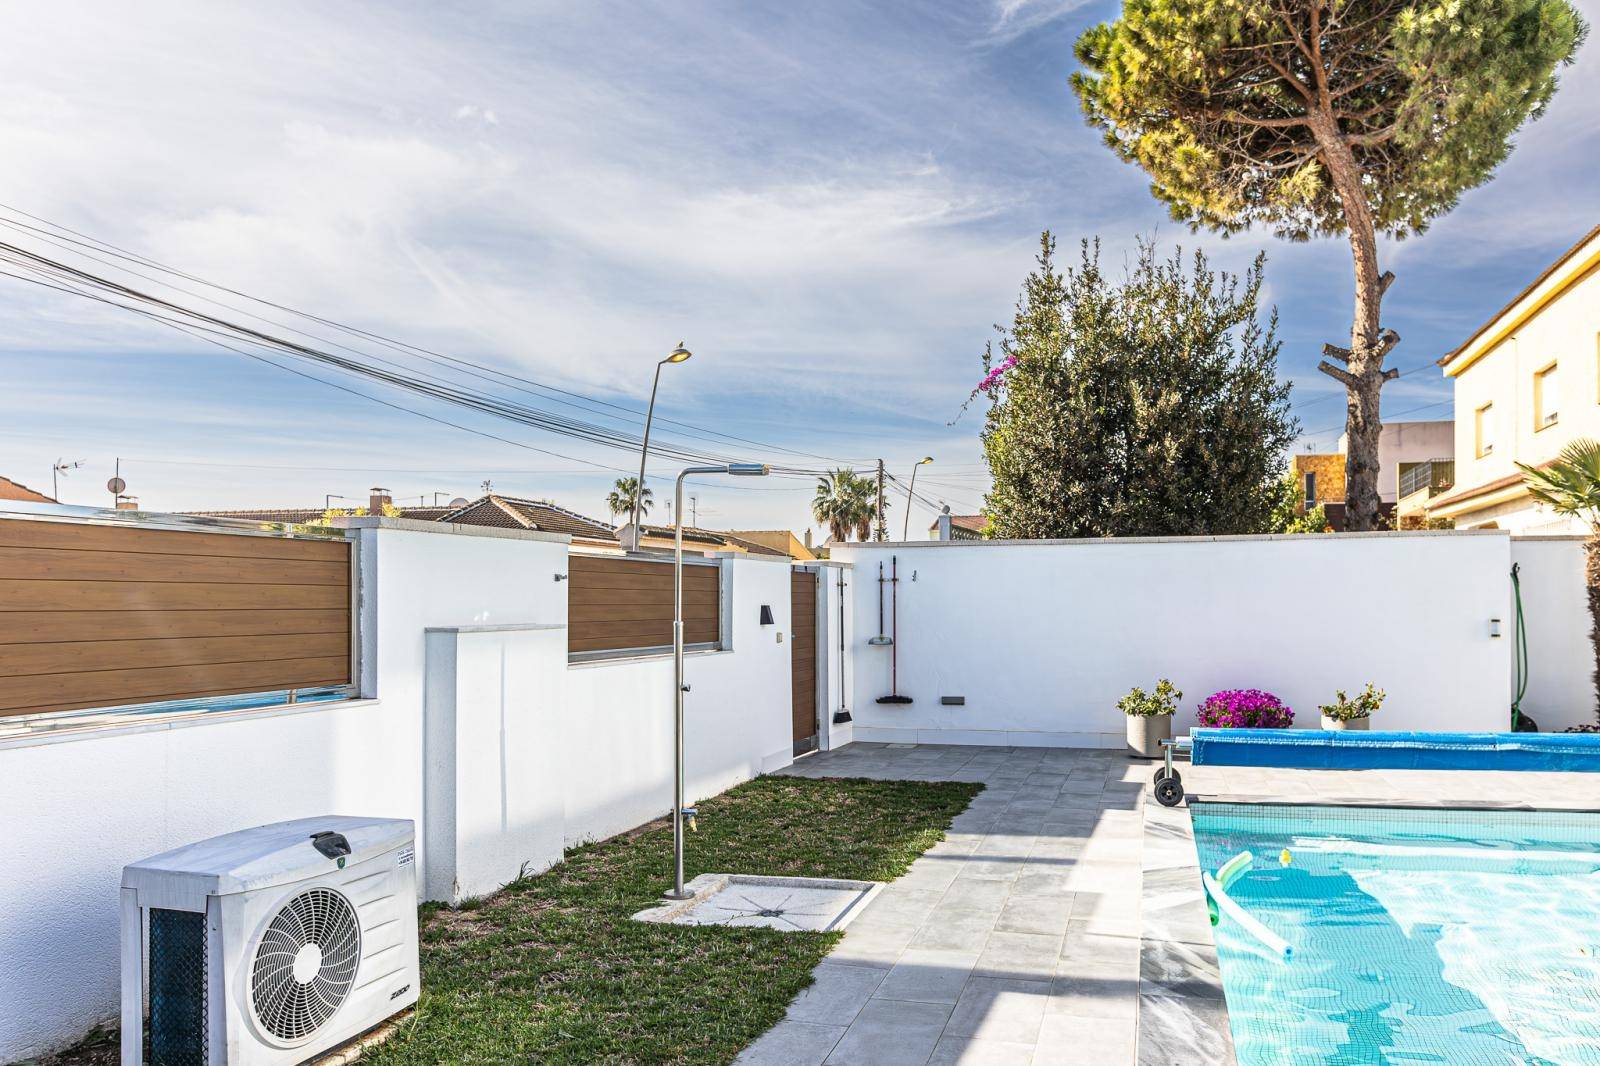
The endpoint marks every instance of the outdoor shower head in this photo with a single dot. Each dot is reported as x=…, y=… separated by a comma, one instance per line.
x=880, y=641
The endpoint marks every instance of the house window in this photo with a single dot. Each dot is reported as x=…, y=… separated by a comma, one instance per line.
x=1311, y=489
x=1546, y=401
x=1482, y=429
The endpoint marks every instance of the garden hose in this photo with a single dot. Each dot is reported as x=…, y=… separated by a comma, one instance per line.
x=1520, y=644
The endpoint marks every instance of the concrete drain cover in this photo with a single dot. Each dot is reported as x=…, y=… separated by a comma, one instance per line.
x=789, y=904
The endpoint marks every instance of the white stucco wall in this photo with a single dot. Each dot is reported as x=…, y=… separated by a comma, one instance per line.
x=1407, y=442
x=618, y=739
x=539, y=754
x=834, y=665
x=1042, y=638
x=1556, y=609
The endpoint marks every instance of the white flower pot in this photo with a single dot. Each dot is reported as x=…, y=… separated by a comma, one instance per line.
x=1146, y=732
x=1345, y=725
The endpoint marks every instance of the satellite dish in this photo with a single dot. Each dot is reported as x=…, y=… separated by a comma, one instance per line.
x=460, y=501
x=116, y=486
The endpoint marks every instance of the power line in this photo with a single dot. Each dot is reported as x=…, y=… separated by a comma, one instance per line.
x=467, y=366
x=63, y=277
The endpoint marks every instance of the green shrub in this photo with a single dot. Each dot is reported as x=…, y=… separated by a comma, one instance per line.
x=1343, y=708
x=1141, y=704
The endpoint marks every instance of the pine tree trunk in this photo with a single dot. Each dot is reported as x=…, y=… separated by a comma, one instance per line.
x=1363, y=375
x=1591, y=576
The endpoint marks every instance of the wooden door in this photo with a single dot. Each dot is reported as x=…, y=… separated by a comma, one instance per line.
x=803, y=658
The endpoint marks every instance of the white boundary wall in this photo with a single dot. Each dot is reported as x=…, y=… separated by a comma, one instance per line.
x=1560, y=655
x=475, y=728
x=1043, y=637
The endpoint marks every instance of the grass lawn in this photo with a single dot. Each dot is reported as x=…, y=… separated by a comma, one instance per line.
x=552, y=968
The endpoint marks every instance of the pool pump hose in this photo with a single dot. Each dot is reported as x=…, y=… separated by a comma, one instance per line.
x=1519, y=639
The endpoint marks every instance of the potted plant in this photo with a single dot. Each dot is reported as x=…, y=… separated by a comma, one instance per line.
x=1150, y=717
x=1346, y=713
x=1245, y=708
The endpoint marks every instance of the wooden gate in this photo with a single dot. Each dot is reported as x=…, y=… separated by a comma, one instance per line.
x=803, y=658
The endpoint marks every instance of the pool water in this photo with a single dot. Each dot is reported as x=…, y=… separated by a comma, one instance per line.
x=1418, y=936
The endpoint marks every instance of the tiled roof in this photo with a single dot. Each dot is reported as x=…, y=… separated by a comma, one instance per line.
x=15, y=490
x=512, y=512
x=974, y=522
x=312, y=514
x=712, y=537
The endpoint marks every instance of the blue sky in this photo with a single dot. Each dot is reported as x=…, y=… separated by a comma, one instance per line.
x=830, y=203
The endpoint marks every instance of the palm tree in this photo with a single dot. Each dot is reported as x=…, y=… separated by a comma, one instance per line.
x=834, y=504
x=621, y=500
x=1570, y=486
x=846, y=502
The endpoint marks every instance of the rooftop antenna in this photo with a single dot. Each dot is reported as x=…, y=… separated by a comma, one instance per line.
x=60, y=470
x=116, y=486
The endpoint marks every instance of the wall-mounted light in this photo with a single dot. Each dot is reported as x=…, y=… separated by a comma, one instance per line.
x=1494, y=627
x=766, y=615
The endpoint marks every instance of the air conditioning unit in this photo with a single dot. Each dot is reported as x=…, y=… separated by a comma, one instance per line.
x=269, y=945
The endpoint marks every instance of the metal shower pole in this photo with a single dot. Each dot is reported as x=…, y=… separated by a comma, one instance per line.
x=678, y=687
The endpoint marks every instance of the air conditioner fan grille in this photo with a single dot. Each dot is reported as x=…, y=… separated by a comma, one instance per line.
x=305, y=964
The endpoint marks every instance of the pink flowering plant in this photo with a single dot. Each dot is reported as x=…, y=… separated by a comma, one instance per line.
x=1245, y=708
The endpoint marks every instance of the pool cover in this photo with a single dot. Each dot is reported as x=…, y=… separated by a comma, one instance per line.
x=1315, y=749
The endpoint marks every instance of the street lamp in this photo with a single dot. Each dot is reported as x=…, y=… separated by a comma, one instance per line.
x=679, y=354
x=678, y=687
x=924, y=461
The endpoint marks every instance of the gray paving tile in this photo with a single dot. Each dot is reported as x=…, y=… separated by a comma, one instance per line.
x=928, y=976
x=1068, y=1040
x=1178, y=1029
x=791, y=1043
x=1022, y=956
x=958, y=1051
x=839, y=992
x=890, y=1032
x=1091, y=992
x=1035, y=914
x=955, y=931
x=1000, y=1009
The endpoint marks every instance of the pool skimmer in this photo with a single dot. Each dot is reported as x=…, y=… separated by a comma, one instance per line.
x=788, y=904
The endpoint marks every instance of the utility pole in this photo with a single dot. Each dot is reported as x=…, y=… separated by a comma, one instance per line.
x=882, y=533
x=694, y=511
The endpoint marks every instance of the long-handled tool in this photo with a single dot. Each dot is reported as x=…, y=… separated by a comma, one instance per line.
x=842, y=715
x=880, y=640
x=894, y=695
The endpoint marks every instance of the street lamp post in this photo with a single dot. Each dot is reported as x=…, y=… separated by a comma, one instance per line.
x=906, y=530
x=678, y=687
x=679, y=354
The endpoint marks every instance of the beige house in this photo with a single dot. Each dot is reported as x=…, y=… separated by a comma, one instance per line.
x=1526, y=384
x=1409, y=454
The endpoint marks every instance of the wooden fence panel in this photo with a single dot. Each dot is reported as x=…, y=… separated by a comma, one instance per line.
x=107, y=615
x=617, y=604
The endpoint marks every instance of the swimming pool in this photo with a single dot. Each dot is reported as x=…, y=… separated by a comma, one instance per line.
x=1418, y=935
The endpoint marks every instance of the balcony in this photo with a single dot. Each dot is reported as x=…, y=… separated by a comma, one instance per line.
x=1434, y=475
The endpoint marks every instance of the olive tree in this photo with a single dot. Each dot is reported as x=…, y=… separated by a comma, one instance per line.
x=1144, y=405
